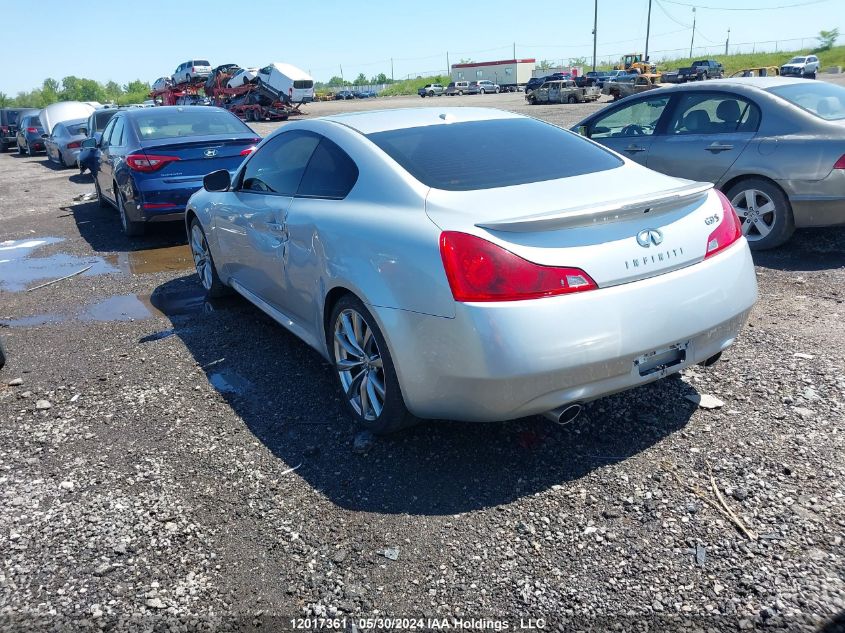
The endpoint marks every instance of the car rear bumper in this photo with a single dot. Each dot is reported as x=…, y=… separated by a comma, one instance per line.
x=506, y=360
x=817, y=202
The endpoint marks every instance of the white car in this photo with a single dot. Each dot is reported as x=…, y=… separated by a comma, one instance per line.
x=162, y=83
x=533, y=276
x=243, y=77
x=806, y=66
x=192, y=69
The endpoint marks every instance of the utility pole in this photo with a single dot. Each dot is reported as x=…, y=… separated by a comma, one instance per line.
x=391, y=69
x=341, y=70
x=647, y=31
x=448, y=66
x=514, y=50
x=596, y=29
x=693, y=33
x=727, y=41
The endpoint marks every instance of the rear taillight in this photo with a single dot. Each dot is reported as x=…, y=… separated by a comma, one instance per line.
x=247, y=151
x=33, y=130
x=840, y=164
x=728, y=231
x=74, y=144
x=479, y=270
x=148, y=162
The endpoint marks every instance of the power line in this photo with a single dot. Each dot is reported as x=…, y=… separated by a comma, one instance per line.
x=784, y=6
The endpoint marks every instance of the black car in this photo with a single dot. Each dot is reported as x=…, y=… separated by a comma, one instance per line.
x=9, y=118
x=28, y=136
x=592, y=78
x=534, y=83
x=344, y=94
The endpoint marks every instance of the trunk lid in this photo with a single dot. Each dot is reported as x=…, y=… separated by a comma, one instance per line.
x=198, y=155
x=591, y=222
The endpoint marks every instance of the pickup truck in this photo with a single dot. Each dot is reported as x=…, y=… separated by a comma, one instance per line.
x=626, y=87
x=562, y=91
x=700, y=70
x=430, y=90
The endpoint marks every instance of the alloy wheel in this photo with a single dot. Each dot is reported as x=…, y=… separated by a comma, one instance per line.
x=359, y=364
x=202, y=257
x=756, y=211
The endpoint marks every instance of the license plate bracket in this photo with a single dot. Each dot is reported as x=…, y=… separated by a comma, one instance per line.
x=662, y=360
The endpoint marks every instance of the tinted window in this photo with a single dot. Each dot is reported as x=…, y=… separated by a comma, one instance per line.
x=201, y=62
x=488, y=154
x=73, y=128
x=101, y=119
x=637, y=119
x=703, y=113
x=277, y=167
x=117, y=132
x=303, y=84
x=107, y=133
x=330, y=173
x=826, y=101
x=173, y=123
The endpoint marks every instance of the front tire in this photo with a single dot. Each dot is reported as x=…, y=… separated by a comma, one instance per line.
x=764, y=211
x=365, y=368
x=204, y=263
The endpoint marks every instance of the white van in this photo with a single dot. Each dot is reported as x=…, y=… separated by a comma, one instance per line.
x=64, y=111
x=288, y=80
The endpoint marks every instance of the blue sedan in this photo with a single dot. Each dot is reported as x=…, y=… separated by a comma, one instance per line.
x=152, y=159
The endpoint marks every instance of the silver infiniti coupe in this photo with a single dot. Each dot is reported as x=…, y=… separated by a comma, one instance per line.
x=473, y=264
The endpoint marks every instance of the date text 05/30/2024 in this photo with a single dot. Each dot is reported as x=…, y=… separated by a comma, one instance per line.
x=416, y=624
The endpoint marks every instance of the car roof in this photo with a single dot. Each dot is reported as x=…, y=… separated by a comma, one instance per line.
x=370, y=122
x=761, y=83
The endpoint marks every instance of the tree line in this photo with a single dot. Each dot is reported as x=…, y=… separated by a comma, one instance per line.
x=78, y=89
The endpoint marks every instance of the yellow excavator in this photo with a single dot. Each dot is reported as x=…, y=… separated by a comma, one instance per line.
x=634, y=63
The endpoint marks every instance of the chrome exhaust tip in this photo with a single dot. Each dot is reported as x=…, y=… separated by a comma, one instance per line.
x=566, y=414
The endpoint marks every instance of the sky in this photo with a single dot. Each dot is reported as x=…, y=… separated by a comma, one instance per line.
x=122, y=40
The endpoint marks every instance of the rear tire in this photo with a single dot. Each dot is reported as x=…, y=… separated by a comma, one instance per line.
x=481, y=92
x=2, y=354
x=571, y=99
x=382, y=409
x=751, y=198
x=130, y=227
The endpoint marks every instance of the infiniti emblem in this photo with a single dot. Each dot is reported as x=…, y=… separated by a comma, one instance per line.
x=211, y=153
x=647, y=237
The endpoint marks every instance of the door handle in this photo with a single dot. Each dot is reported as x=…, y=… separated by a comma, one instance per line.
x=635, y=148
x=718, y=147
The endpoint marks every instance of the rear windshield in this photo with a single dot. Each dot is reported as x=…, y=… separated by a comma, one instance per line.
x=73, y=128
x=201, y=62
x=303, y=84
x=173, y=123
x=10, y=117
x=826, y=101
x=490, y=154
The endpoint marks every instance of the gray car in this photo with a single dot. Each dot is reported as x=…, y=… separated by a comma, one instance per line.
x=452, y=283
x=65, y=143
x=775, y=146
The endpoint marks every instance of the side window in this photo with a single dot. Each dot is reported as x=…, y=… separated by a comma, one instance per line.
x=637, y=119
x=104, y=140
x=278, y=166
x=709, y=113
x=330, y=173
x=117, y=132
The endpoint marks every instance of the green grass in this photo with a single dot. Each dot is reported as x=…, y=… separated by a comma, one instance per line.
x=732, y=63
x=410, y=86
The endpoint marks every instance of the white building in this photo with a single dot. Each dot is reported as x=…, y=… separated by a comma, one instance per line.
x=507, y=72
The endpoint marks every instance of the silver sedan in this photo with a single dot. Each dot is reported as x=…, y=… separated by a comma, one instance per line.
x=65, y=143
x=774, y=146
x=473, y=264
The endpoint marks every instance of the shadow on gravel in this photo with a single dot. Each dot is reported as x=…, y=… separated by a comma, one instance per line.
x=835, y=624
x=288, y=397
x=808, y=250
x=101, y=228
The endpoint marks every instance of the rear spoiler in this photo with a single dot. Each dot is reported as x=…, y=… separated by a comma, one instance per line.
x=614, y=211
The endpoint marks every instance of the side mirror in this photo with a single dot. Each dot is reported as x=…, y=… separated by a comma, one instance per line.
x=89, y=143
x=45, y=136
x=219, y=180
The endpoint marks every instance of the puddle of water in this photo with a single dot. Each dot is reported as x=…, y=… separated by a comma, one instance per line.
x=153, y=260
x=128, y=308
x=18, y=269
x=227, y=381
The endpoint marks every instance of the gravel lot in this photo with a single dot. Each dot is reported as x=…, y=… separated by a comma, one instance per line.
x=167, y=464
